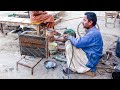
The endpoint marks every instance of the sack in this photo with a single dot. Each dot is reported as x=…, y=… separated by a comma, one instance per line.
x=118, y=48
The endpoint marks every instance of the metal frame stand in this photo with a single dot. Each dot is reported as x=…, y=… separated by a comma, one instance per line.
x=110, y=15
x=18, y=63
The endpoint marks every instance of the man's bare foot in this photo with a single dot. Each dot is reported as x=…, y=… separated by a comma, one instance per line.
x=89, y=73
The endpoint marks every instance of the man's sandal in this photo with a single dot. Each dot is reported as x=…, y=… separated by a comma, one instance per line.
x=68, y=71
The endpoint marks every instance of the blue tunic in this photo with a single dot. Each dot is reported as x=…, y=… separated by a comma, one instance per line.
x=92, y=44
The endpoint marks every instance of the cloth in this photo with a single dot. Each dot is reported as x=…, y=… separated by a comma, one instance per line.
x=92, y=44
x=38, y=17
x=70, y=32
x=79, y=59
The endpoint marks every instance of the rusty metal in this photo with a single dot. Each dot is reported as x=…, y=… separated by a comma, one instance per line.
x=18, y=63
x=33, y=45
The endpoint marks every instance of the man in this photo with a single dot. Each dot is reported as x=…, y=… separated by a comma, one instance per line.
x=42, y=17
x=84, y=53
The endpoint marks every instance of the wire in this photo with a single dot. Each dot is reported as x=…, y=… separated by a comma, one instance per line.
x=78, y=32
x=70, y=63
x=71, y=19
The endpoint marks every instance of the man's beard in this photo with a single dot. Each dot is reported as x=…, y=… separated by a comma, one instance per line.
x=86, y=27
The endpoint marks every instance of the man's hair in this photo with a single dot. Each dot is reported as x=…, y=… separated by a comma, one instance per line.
x=91, y=16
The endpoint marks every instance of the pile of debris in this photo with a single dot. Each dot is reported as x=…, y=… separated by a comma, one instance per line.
x=109, y=62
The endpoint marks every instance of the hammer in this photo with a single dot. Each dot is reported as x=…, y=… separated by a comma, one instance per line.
x=109, y=53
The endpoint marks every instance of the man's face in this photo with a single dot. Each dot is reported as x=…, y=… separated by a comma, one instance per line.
x=86, y=23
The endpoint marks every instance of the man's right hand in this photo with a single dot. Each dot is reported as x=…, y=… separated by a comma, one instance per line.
x=59, y=39
x=65, y=36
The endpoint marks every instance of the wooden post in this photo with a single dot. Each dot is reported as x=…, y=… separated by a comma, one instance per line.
x=38, y=30
x=1, y=27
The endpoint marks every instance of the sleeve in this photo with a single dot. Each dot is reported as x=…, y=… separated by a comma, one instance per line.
x=85, y=41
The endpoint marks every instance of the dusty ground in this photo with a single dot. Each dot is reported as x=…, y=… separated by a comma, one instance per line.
x=10, y=52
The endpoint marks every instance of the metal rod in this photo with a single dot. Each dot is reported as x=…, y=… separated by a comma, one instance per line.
x=72, y=19
x=70, y=63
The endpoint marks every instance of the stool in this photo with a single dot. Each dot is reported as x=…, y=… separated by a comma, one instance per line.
x=40, y=27
x=24, y=63
x=112, y=15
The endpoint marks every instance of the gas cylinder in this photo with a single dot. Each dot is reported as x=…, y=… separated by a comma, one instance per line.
x=118, y=48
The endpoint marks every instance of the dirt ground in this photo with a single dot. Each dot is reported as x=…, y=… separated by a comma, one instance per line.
x=10, y=52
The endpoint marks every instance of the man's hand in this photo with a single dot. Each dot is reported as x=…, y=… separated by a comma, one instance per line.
x=65, y=37
x=61, y=39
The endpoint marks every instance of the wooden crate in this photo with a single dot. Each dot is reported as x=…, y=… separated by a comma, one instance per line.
x=33, y=45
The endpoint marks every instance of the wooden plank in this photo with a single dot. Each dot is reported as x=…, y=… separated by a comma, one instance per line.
x=32, y=39
x=6, y=19
x=58, y=20
x=56, y=13
x=16, y=20
x=26, y=20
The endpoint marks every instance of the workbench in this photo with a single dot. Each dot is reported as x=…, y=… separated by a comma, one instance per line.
x=25, y=21
x=39, y=49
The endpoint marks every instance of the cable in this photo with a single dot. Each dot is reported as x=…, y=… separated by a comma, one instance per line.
x=71, y=19
x=70, y=63
x=78, y=32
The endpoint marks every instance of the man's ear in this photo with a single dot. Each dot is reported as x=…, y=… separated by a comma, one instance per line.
x=90, y=22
